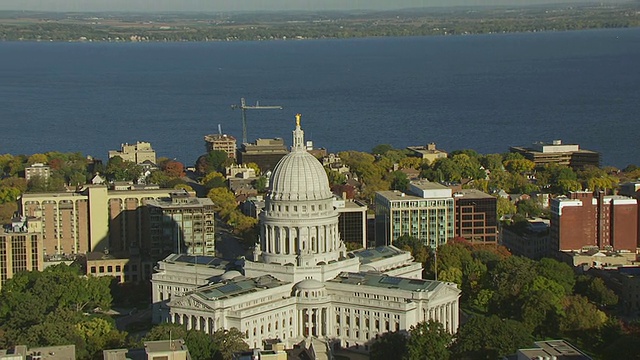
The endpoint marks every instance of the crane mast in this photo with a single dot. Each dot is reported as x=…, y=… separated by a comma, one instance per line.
x=244, y=107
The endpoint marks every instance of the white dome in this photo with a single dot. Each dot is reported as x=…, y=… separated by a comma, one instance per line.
x=309, y=284
x=299, y=176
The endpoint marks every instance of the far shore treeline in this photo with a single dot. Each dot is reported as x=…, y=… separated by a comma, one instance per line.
x=256, y=26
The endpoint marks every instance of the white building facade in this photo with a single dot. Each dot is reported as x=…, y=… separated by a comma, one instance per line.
x=301, y=281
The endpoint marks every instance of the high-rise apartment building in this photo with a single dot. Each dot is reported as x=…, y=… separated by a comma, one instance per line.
x=427, y=213
x=93, y=219
x=476, y=216
x=583, y=220
x=20, y=249
x=181, y=224
x=38, y=169
x=138, y=153
x=221, y=142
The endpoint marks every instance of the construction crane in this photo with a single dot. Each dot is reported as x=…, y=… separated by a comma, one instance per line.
x=243, y=106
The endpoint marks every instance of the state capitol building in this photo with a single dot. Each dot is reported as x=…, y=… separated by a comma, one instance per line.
x=301, y=282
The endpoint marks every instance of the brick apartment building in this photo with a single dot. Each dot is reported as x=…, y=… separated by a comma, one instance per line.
x=584, y=220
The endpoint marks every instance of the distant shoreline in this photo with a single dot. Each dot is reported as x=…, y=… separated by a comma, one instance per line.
x=92, y=27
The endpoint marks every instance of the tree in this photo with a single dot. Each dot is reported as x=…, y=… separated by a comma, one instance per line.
x=596, y=291
x=504, y=207
x=122, y=170
x=260, y=184
x=165, y=331
x=215, y=160
x=224, y=201
x=490, y=338
x=174, y=169
x=492, y=162
x=580, y=315
x=519, y=166
x=559, y=272
x=529, y=208
x=255, y=167
x=335, y=178
x=213, y=180
x=37, y=158
x=381, y=149
x=399, y=181
x=228, y=342
x=390, y=345
x=159, y=178
x=508, y=280
x=428, y=340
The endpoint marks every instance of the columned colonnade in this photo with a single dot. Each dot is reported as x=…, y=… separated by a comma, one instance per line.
x=194, y=322
x=447, y=314
x=288, y=240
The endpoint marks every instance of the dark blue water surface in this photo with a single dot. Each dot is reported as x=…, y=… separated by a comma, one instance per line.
x=484, y=92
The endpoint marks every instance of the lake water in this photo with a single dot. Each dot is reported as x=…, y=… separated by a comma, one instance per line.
x=484, y=92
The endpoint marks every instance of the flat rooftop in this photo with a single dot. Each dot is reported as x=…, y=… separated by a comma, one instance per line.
x=471, y=194
x=210, y=261
x=384, y=281
x=398, y=195
x=370, y=255
x=165, y=345
x=559, y=349
x=237, y=286
x=428, y=185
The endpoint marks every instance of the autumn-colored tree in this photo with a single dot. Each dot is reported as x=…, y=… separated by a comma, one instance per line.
x=224, y=201
x=174, y=169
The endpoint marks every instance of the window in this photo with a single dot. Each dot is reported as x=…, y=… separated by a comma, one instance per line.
x=93, y=269
x=110, y=268
x=101, y=269
x=118, y=268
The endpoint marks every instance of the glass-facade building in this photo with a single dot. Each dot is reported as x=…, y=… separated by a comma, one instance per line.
x=427, y=214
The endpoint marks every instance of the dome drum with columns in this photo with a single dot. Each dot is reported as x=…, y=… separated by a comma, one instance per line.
x=299, y=225
x=301, y=282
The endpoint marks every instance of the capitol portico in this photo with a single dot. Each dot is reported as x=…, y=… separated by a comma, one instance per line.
x=301, y=282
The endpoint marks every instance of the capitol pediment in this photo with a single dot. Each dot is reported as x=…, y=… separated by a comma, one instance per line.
x=446, y=290
x=189, y=302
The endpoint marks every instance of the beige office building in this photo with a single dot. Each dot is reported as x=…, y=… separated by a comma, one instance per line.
x=20, y=250
x=137, y=153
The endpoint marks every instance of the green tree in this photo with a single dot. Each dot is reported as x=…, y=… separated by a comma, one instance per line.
x=490, y=338
x=215, y=160
x=37, y=158
x=121, y=170
x=429, y=341
x=519, y=166
x=580, y=315
x=504, y=207
x=228, y=342
x=596, y=291
x=557, y=271
x=399, y=181
x=529, y=208
x=260, y=184
x=159, y=178
x=213, y=180
x=390, y=345
x=381, y=149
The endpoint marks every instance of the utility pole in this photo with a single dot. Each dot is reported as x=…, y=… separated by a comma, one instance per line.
x=243, y=106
